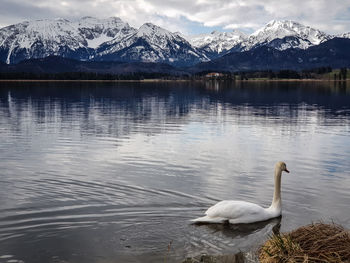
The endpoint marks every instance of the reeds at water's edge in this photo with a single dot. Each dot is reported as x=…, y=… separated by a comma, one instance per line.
x=312, y=243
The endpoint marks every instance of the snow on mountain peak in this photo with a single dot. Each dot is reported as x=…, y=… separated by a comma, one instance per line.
x=98, y=31
x=152, y=43
x=276, y=29
x=218, y=41
x=279, y=28
x=40, y=38
x=149, y=29
x=111, y=38
x=239, y=33
x=345, y=35
x=279, y=34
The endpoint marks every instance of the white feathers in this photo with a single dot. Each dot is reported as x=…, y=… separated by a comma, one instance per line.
x=241, y=212
x=236, y=212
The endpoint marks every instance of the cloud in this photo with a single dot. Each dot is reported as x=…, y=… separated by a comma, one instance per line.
x=176, y=15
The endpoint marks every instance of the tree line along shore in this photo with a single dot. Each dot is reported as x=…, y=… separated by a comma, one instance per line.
x=322, y=74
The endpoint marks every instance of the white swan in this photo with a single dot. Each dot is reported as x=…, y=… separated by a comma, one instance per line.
x=241, y=212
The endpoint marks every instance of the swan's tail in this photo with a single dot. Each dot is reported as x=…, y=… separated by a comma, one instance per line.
x=208, y=219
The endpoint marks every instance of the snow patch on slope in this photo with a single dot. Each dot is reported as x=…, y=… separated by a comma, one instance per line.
x=95, y=42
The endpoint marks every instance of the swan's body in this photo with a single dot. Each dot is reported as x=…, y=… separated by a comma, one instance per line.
x=241, y=212
x=237, y=212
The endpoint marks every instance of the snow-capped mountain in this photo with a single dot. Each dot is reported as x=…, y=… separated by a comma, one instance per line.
x=95, y=39
x=219, y=43
x=153, y=44
x=112, y=39
x=98, y=31
x=286, y=34
x=280, y=35
x=345, y=35
x=41, y=38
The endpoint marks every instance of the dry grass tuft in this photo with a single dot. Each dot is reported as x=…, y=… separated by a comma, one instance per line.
x=313, y=243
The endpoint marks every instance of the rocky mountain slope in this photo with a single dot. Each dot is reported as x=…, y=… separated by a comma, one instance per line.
x=295, y=35
x=60, y=37
x=92, y=39
x=152, y=44
x=219, y=43
x=280, y=35
x=334, y=53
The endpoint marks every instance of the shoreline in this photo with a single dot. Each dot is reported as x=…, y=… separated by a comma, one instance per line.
x=91, y=80
x=174, y=80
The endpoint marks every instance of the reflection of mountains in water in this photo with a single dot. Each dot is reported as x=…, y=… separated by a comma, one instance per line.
x=122, y=108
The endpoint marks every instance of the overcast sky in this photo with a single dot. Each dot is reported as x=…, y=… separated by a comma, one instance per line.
x=187, y=16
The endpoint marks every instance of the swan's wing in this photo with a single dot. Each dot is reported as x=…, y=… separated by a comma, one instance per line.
x=234, y=209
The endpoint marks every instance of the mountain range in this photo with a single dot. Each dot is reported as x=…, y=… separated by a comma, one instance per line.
x=107, y=40
x=95, y=39
x=334, y=53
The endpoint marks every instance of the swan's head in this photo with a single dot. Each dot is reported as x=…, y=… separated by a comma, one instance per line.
x=282, y=167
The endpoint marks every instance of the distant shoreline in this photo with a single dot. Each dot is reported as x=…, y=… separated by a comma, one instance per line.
x=174, y=80
x=91, y=80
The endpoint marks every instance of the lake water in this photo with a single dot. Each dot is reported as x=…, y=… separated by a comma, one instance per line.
x=111, y=172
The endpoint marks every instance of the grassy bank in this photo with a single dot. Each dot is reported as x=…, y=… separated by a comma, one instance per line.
x=313, y=243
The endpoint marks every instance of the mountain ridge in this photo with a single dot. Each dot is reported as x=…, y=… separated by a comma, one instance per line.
x=112, y=39
x=90, y=38
x=334, y=53
x=298, y=36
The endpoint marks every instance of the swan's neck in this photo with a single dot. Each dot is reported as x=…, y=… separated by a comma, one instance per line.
x=276, y=202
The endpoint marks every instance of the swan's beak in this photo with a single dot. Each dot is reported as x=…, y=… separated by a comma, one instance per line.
x=286, y=170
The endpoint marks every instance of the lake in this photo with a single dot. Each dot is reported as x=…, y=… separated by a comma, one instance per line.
x=113, y=172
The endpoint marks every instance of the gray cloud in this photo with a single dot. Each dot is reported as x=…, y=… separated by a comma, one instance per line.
x=332, y=17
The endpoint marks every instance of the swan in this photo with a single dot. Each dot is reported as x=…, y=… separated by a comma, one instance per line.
x=241, y=212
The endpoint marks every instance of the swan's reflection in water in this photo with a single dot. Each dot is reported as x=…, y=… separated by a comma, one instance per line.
x=242, y=230
x=245, y=240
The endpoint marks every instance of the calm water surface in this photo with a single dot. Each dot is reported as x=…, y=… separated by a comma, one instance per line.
x=114, y=172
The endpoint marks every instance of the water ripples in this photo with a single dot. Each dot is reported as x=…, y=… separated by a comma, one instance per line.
x=117, y=172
